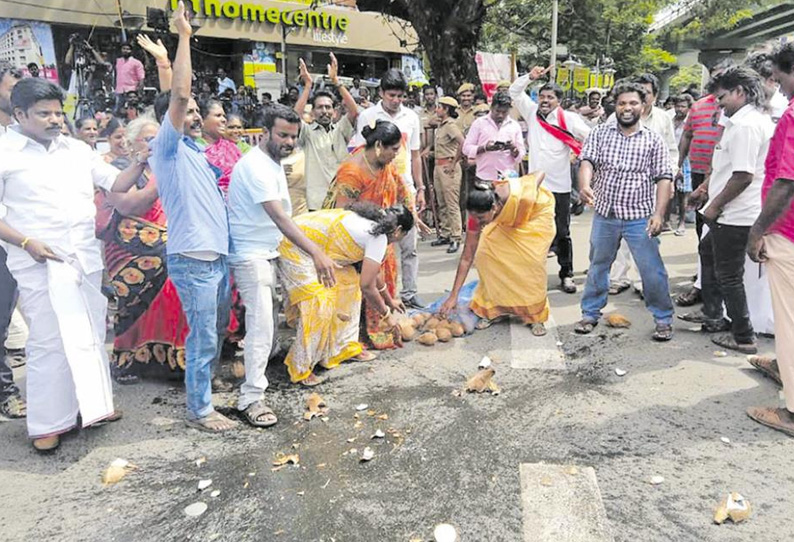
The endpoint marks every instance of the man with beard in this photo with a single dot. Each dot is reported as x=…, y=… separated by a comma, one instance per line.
x=11, y=403
x=129, y=73
x=625, y=168
x=323, y=142
x=552, y=136
x=259, y=217
x=198, y=232
x=57, y=262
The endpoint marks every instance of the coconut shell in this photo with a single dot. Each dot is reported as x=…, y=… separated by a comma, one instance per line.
x=432, y=323
x=407, y=329
x=427, y=338
x=618, y=320
x=443, y=334
x=418, y=320
x=444, y=324
x=457, y=329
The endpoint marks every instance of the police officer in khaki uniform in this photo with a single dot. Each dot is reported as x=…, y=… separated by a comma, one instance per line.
x=464, y=121
x=448, y=174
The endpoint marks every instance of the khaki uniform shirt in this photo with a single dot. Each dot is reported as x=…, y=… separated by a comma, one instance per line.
x=465, y=119
x=325, y=150
x=447, y=135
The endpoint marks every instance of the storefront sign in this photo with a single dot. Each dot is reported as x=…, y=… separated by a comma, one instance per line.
x=332, y=38
x=250, y=11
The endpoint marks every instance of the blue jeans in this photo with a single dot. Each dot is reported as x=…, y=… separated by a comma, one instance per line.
x=205, y=293
x=605, y=239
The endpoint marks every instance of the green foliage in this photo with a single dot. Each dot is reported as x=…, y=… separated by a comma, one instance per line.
x=590, y=29
x=686, y=77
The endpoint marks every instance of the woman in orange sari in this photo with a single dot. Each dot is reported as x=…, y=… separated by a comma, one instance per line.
x=510, y=230
x=369, y=175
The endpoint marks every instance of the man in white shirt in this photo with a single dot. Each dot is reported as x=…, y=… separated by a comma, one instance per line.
x=393, y=89
x=552, y=137
x=11, y=403
x=259, y=217
x=225, y=82
x=657, y=120
x=734, y=202
x=47, y=185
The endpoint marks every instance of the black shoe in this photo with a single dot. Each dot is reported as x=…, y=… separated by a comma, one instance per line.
x=413, y=303
x=440, y=242
x=453, y=247
x=15, y=358
x=577, y=209
x=568, y=285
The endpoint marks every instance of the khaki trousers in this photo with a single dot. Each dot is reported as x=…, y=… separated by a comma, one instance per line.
x=447, y=188
x=781, y=282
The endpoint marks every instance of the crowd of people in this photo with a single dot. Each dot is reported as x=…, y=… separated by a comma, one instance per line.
x=193, y=230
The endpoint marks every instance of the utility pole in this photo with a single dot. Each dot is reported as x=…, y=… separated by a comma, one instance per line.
x=553, y=62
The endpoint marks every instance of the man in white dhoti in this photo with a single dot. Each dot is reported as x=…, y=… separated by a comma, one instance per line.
x=47, y=186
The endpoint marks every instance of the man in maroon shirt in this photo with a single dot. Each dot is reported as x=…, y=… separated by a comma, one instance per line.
x=772, y=241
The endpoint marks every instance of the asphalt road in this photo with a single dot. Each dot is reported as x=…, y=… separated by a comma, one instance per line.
x=446, y=457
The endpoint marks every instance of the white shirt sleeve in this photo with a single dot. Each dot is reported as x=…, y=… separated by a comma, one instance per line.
x=416, y=130
x=523, y=103
x=103, y=174
x=375, y=248
x=261, y=184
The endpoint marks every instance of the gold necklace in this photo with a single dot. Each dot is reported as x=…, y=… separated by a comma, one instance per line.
x=364, y=156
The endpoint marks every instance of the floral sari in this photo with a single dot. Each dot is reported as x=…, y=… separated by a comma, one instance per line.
x=149, y=326
x=327, y=319
x=511, y=255
x=386, y=190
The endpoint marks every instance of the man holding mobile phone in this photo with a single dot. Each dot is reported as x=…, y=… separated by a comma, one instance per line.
x=495, y=142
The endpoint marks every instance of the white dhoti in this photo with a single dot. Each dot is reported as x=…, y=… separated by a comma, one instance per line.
x=17, y=332
x=759, y=297
x=67, y=367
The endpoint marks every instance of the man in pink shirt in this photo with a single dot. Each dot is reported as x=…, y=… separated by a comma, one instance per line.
x=129, y=72
x=771, y=241
x=495, y=142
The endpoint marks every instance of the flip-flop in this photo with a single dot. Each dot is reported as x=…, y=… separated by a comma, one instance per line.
x=14, y=407
x=584, y=327
x=312, y=381
x=485, y=323
x=538, y=330
x=47, y=444
x=366, y=355
x=255, y=411
x=662, y=333
x=201, y=423
x=615, y=289
x=770, y=417
x=728, y=341
x=767, y=366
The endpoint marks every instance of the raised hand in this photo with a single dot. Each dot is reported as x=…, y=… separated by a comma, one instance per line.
x=304, y=73
x=538, y=71
x=157, y=50
x=182, y=20
x=333, y=70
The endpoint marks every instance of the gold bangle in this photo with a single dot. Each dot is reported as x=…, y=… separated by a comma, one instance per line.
x=381, y=290
x=388, y=313
x=24, y=243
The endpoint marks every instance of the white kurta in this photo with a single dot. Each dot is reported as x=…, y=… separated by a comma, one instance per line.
x=48, y=193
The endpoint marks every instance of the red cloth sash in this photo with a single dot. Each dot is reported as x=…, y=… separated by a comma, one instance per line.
x=561, y=132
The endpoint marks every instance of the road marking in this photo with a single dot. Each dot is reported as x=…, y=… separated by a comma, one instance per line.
x=562, y=504
x=530, y=352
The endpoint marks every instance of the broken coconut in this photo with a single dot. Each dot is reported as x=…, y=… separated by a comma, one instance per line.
x=285, y=459
x=118, y=469
x=428, y=338
x=367, y=454
x=481, y=382
x=733, y=507
x=444, y=334
x=315, y=406
x=618, y=320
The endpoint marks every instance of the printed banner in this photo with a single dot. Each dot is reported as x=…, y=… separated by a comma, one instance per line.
x=581, y=78
x=492, y=68
x=414, y=71
x=564, y=78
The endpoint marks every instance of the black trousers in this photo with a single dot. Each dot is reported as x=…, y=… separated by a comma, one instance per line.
x=8, y=300
x=697, y=180
x=722, y=257
x=562, y=241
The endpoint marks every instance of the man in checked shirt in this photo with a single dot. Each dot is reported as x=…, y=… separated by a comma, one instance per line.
x=626, y=175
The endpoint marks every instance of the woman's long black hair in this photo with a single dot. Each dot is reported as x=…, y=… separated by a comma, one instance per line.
x=386, y=220
x=481, y=198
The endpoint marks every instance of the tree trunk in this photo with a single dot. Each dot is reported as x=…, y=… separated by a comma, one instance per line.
x=448, y=31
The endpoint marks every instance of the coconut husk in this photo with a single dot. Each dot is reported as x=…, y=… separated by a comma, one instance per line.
x=443, y=334
x=427, y=338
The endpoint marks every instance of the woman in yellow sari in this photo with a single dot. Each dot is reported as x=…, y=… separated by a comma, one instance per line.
x=327, y=319
x=369, y=175
x=510, y=230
